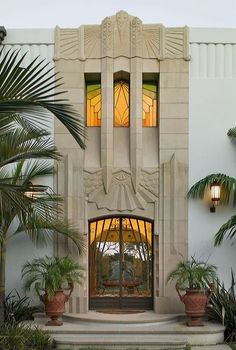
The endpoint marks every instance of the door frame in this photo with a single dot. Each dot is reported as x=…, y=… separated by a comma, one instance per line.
x=112, y=303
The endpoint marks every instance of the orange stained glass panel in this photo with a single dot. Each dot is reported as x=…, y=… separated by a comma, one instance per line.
x=121, y=104
x=94, y=100
x=149, y=105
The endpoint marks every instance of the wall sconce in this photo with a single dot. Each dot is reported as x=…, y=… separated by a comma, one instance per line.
x=215, y=196
x=36, y=193
x=3, y=33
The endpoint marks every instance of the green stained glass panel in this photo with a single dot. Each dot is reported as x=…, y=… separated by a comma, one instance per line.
x=149, y=105
x=94, y=100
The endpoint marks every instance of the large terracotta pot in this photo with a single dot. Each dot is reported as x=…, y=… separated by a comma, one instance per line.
x=195, y=301
x=55, y=306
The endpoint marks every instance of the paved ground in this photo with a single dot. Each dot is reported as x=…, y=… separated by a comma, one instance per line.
x=211, y=347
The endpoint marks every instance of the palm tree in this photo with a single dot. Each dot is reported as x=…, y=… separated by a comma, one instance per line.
x=228, y=191
x=27, y=94
x=39, y=215
x=27, y=102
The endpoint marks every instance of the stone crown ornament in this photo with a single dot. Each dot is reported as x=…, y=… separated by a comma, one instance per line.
x=122, y=35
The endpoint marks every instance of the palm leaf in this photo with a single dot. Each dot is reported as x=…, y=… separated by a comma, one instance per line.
x=226, y=231
x=29, y=92
x=28, y=143
x=227, y=183
x=232, y=132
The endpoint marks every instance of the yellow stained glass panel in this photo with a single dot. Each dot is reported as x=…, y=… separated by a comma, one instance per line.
x=121, y=104
x=149, y=105
x=94, y=100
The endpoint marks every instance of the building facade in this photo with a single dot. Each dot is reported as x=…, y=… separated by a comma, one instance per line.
x=137, y=89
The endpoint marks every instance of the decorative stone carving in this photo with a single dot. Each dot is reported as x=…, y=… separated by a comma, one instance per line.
x=151, y=41
x=136, y=37
x=92, y=41
x=121, y=25
x=122, y=35
x=121, y=195
x=174, y=42
x=67, y=43
x=107, y=37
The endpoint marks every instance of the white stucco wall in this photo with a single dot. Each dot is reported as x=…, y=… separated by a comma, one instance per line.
x=37, y=42
x=212, y=113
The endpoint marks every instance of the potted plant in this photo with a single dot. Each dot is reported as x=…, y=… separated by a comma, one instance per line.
x=196, y=278
x=51, y=276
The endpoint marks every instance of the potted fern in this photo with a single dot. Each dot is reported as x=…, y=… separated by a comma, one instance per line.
x=196, y=278
x=51, y=277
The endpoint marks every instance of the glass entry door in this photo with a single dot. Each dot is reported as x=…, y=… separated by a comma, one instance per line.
x=120, y=263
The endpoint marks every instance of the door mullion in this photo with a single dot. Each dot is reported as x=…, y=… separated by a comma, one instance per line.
x=121, y=260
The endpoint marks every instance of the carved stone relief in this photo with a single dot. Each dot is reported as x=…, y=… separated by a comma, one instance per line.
x=92, y=41
x=121, y=195
x=67, y=43
x=122, y=35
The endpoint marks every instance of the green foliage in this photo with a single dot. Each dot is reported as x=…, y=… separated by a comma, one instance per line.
x=193, y=274
x=232, y=133
x=222, y=308
x=37, y=339
x=227, y=184
x=28, y=95
x=19, y=337
x=227, y=230
x=50, y=274
x=17, y=308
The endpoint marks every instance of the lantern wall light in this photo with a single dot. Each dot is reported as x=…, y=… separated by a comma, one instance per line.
x=215, y=196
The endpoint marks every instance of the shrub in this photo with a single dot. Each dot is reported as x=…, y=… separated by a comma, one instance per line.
x=17, y=308
x=222, y=308
x=38, y=339
x=20, y=337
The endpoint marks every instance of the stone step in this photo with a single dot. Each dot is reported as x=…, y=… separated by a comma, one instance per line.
x=116, y=341
x=158, y=333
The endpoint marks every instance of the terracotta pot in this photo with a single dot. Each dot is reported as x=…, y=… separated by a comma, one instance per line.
x=195, y=301
x=55, y=306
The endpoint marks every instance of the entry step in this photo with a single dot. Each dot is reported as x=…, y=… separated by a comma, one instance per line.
x=116, y=341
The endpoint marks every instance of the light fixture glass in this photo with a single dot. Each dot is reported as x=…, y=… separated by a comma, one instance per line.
x=215, y=196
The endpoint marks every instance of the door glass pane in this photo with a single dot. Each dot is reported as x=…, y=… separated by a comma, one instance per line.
x=120, y=258
x=105, y=258
x=137, y=258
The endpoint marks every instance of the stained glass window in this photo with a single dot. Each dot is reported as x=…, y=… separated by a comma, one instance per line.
x=94, y=101
x=149, y=104
x=121, y=103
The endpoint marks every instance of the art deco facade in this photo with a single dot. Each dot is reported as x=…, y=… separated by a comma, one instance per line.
x=127, y=190
x=154, y=118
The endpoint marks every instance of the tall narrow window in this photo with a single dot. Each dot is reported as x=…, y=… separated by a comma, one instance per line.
x=149, y=104
x=121, y=103
x=94, y=101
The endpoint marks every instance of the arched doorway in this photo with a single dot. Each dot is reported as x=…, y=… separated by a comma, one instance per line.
x=121, y=263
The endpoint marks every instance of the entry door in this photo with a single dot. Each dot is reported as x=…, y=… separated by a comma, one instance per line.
x=120, y=260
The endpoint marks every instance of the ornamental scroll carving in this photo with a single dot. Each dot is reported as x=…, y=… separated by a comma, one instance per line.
x=122, y=35
x=121, y=195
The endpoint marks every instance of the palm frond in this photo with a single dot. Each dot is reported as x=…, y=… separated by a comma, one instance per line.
x=232, y=133
x=29, y=92
x=227, y=183
x=226, y=231
x=21, y=144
